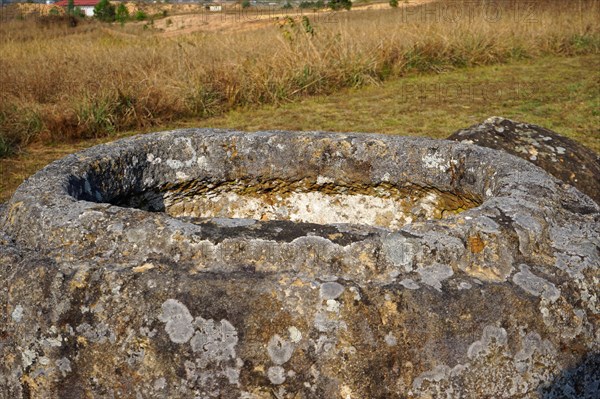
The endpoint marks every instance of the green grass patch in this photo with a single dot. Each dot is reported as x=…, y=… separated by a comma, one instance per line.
x=562, y=94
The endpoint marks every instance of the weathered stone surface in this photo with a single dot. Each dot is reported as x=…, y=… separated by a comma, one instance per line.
x=473, y=274
x=560, y=156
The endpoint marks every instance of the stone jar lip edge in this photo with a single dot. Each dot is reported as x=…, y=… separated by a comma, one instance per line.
x=62, y=167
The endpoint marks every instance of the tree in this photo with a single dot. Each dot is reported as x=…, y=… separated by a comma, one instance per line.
x=70, y=7
x=245, y=3
x=394, y=3
x=340, y=4
x=105, y=11
x=122, y=14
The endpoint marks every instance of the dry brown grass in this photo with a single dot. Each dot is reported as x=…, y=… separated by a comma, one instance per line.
x=60, y=83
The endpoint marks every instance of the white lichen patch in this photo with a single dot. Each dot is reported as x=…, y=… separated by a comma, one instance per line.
x=100, y=332
x=178, y=321
x=434, y=275
x=410, y=284
x=276, y=375
x=390, y=339
x=331, y=290
x=28, y=357
x=436, y=161
x=439, y=373
x=295, y=334
x=493, y=368
x=188, y=149
x=536, y=285
x=17, y=313
x=324, y=180
x=491, y=334
x=64, y=365
x=215, y=342
x=399, y=251
x=151, y=158
x=332, y=305
x=174, y=163
x=328, y=321
x=213, y=347
x=280, y=350
x=233, y=375
x=181, y=176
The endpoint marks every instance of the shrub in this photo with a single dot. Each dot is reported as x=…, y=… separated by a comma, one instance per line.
x=394, y=3
x=140, y=15
x=245, y=3
x=105, y=11
x=78, y=12
x=308, y=28
x=6, y=148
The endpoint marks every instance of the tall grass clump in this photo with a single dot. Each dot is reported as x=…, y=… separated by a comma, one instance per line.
x=63, y=83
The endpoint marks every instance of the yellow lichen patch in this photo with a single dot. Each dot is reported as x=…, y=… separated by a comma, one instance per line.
x=346, y=392
x=366, y=260
x=466, y=317
x=484, y=273
x=388, y=311
x=30, y=382
x=178, y=236
x=314, y=200
x=298, y=283
x=10, y=358
x=284, y=281
x=259, y=368
x=141, y=342
x=79, y=280
x=476, y=244
x=334, y=236
x=263, y=393
x=143, y=268
x=13, y=210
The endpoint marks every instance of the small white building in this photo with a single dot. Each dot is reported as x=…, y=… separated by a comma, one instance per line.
x=87, y=6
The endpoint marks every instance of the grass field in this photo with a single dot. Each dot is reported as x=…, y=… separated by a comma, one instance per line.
x=425, y=69
x=62, y=83
x=560, y=93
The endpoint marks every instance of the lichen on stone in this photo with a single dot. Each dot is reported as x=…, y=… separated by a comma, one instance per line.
x=204, y=263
